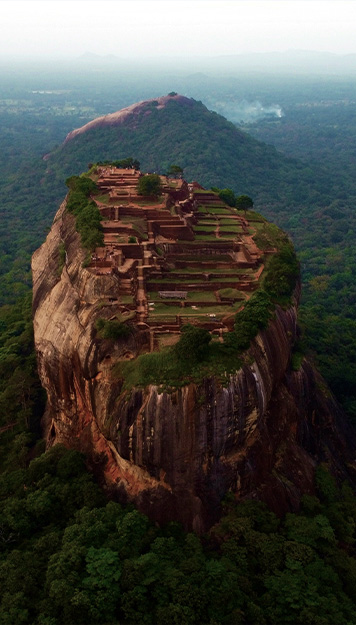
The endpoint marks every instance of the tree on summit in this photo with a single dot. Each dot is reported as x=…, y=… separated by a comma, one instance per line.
x=175, y=170
x=227, y=196
x=127, y=163
x=244, y=202
x=149, y=185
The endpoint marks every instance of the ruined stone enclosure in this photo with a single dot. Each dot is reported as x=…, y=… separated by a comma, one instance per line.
x=185, y=257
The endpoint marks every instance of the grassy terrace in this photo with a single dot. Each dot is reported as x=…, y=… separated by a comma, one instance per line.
x=165, y=282
x=233, y=229
x=229, y=222
x=221, y=205
x=212, y=210
x=188, y=270
x=162, y=312
x=192, y=296
x=203, y=208
x=227, y=271
x=230, y=272
x=190, y=258
x=231, y=293
x=199, y=280
x=157, y=202
x=205, y=228
x=229, y=237
x=201, y=296
x=205, y=237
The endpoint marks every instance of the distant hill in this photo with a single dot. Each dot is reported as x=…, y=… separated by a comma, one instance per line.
x=179, y=130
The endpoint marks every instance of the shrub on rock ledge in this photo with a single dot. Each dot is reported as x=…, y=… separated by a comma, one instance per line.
x=193, y=343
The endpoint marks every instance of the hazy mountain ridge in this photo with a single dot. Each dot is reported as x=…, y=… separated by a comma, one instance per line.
x=205, y=144
x=291, y=61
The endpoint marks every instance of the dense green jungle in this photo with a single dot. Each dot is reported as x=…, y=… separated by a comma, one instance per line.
x=66, y=554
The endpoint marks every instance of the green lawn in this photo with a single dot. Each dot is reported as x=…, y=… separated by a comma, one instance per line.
x=205, y=228
x=201, y=296
x=207, y=310
x=174, y=280
x=205, y=237
x=192, y=296
x=162, y=309
x=206, y=257
x=233, y=271
x=216, y=211
x=230, y=293
x=189, y=270
x=163, y=312
x=233, y=229
x=229, y=222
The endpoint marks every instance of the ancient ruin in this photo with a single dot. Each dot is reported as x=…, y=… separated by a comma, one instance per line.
x=185, y=257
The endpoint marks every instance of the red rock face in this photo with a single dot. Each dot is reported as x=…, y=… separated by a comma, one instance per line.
x=176, y=455
x=120, y=117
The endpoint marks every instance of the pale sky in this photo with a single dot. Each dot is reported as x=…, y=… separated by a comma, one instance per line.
x=149, y=28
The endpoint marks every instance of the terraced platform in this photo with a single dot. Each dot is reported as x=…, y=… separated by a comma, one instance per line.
x=185, y=257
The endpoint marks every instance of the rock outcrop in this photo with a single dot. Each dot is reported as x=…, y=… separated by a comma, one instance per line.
x=175, y=455
x=129, y=113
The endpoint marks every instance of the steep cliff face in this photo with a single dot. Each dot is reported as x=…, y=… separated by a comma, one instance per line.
x=175, y=455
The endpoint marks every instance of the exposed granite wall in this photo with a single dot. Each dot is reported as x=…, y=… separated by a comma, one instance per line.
x=177, y=454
